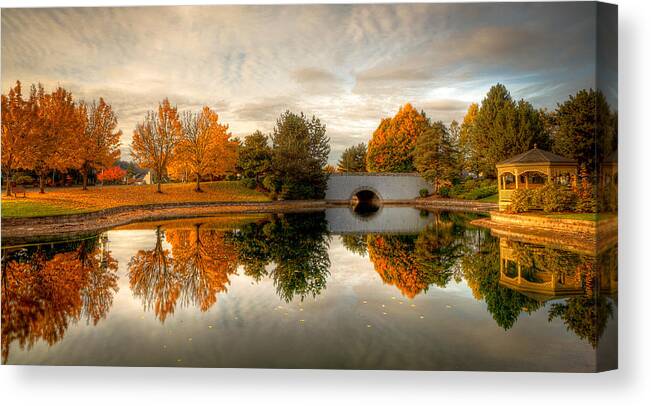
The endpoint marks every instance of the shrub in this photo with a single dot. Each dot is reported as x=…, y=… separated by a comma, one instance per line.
x=23, y=179
x=444, y=191
x=480, y=193
x=423, y=192
x=473, y=189
x=586, y=203
x=521, y=200
x=249, y=183
x=554, y=198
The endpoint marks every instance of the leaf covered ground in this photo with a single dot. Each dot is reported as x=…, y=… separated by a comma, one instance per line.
x=59, y=201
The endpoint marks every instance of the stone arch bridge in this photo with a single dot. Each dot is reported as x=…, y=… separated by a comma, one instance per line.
x=373, y=186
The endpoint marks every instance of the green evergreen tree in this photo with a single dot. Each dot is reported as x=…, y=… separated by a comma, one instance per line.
x=254, y=159
x=504, y=128
x=434, y=155
x=300, y=151
x=585, y=128
x=353, y=159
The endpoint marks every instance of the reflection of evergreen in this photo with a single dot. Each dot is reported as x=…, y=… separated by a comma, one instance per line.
x=355, y=243
x=297, y=243
x=482, y=271
x=438, y=249
x=586, y=316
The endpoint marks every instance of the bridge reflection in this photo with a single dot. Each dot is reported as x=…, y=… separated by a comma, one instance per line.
x=386, y=220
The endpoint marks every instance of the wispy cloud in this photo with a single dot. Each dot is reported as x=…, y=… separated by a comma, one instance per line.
x=350, y=65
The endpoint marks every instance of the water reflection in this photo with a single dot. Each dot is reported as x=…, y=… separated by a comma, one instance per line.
x=190, y=264
x=192, y=272
x=45, y=289
x=296, y=243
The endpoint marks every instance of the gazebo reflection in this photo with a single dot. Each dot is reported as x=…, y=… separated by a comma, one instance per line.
x=546, y=273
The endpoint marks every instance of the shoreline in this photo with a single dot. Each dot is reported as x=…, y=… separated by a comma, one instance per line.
x=575, y=235
x=14, y=228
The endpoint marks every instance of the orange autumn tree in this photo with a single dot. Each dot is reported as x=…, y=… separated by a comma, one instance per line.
x=112, y=174
x=155, y=139
x=17, y=126
x=204, y=147
x=391, y=148
x=58, y=125
x=99, y=145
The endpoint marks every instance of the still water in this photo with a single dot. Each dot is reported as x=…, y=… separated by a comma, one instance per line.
x=395, y=289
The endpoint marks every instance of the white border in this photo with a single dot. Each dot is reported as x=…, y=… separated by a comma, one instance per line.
x=629, y=385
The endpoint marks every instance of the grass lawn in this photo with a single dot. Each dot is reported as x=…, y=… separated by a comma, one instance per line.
x=581, y=216
x=490, y=199
x=58, y=201
x=27, y=208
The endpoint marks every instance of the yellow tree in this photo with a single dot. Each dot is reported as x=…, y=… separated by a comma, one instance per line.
x=465, y=138
x=205, y=147
x=391, y=148
x=17, y=122
x=99, y=146
x=58, y=125
x=155, y=138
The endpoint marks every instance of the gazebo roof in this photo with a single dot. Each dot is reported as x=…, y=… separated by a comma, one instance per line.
x=537, y=156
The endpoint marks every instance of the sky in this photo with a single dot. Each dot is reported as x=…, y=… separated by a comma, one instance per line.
x=349, y=65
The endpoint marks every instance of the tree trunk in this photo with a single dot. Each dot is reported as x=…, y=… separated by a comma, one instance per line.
x=8, y=182
x=158, y=187
x=198, y=188
x=41, y=183
x=84, y=176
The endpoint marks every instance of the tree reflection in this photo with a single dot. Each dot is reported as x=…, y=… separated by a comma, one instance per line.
x=46, y=288
x=192, y=273
x=153, y=279
x=587, y=315
x=355, y=243
x=413, y=263
x=481, y=269
x=297, y=244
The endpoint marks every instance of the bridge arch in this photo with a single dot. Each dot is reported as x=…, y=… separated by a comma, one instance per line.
x=365, y=188
x=388, y=187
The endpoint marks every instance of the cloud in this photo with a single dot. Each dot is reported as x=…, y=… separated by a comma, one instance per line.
x=351, y=65
x=264, y=110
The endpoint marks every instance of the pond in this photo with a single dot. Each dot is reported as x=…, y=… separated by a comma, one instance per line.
x=395, y=288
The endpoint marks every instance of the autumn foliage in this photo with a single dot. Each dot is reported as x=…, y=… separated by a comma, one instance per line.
x=395, y=261
x=204, y=148
x=155, y=138
x=192, y=273
x=43, y=295
x=51, y=131
x=99, y=145
x=391, y=148
x=112, y=174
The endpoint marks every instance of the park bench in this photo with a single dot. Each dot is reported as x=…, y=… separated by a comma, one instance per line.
x=17, y=190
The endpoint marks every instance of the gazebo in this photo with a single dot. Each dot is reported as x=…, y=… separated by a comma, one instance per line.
x=609, y=170
x=531, y=170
